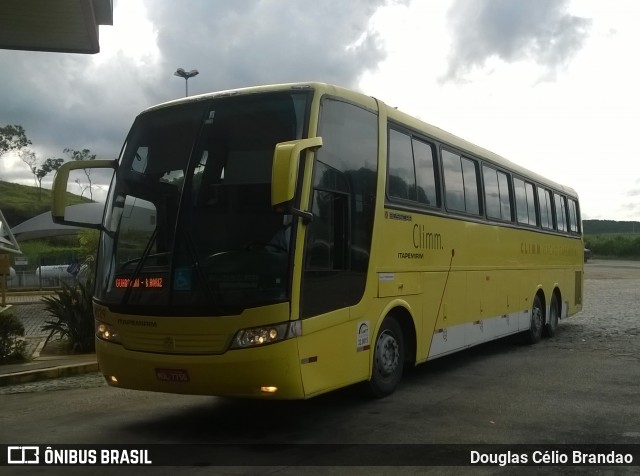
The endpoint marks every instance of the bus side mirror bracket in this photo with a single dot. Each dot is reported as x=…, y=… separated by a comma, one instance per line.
x=59, y=189
x=284, y=175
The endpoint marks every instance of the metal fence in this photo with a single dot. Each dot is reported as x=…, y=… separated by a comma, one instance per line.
x=44, y=272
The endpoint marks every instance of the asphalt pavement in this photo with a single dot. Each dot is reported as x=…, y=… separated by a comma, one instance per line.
x=44, y=356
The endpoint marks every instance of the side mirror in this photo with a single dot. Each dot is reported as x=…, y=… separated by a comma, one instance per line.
x=284, y=175
x=64, y=215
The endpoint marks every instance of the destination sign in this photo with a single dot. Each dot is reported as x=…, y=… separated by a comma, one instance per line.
x=150, y=282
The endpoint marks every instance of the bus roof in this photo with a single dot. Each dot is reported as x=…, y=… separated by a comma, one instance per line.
x=411, y=122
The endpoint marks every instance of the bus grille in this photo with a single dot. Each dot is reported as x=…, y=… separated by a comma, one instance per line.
x=176, y=344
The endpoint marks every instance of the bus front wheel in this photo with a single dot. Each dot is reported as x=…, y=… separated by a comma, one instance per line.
x=534, y=334
x=388, y=359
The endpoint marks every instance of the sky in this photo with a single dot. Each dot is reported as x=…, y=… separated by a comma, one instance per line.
x=549, y=84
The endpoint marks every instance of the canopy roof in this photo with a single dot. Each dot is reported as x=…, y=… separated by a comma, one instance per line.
x=65, y=26
x=8, y=243
x=42, y=226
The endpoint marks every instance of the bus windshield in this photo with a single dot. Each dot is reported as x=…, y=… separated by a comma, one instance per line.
x=189, y=227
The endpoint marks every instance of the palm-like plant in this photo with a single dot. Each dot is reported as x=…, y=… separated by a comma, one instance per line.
x=72, y=309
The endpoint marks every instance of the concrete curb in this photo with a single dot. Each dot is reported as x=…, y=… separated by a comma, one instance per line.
x=47, y=373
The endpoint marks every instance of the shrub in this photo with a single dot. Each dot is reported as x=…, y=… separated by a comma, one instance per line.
x=614, y=246
x=12, y=346
x=73, y=310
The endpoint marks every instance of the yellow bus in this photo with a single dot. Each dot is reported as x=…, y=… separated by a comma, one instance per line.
x=285, y=241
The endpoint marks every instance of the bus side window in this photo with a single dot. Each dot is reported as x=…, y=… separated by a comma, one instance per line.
x=491, y=192
x=402, y=176
x=505, y=196
x=427, y=190
x=525, y=202
x=573, y=217
x=461, y=183
x=412, y=172
x=561, y=213
x=546, y=215
x=453, y=183
x=338, y=239
x=470, y=177
x=496, y=194
x=531, y=204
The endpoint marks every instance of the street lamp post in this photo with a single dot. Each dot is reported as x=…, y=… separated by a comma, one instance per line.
x=186, y=75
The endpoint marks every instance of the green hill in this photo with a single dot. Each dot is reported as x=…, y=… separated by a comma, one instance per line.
x=20, y=202
x=603, y=227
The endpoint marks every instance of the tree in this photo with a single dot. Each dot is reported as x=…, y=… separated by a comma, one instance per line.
x=12, y=138
x=50, y=165
x=84, y=154
x=29, y=158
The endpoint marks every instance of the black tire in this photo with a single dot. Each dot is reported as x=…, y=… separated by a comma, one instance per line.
x=551, y=326
x=388, y=359
x=534, y=334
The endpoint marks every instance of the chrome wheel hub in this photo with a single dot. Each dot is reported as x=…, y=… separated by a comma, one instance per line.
x=387, y=354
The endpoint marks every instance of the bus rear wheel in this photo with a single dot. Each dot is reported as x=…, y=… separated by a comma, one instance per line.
x=388, y=359
x=534, y=334
x=551, y=327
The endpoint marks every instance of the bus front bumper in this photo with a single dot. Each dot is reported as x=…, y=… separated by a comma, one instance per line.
x=272, y=371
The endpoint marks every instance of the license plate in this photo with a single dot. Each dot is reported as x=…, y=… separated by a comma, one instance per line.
x=172, y=375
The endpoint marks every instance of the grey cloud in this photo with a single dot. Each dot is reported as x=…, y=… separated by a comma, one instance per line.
x=538, y=30
x=65, y=100
x=250, y=42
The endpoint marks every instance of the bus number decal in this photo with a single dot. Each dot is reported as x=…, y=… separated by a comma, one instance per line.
x=362, y=337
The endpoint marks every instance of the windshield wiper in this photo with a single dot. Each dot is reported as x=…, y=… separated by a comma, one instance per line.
x=211, y=294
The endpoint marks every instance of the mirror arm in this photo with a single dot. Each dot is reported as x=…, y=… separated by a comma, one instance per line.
x=307, y=217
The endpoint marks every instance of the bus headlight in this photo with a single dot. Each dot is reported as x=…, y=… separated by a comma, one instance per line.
x=107, y=332
x=263, y=335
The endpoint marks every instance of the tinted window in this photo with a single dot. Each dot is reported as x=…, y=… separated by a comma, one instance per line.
x=470, y=177
x=190, y=199
x=402, y=178
x=546, y=214
x=531, y=204
x=522, y=211
x=561, y=215
x=573, y=217
x=491, y=192
x=425, y=173
x=505, y=201
x=496, y=191
x=453, y=183
x=411, y=169
x=460, y=182
x=525, y=202
x=338, y=238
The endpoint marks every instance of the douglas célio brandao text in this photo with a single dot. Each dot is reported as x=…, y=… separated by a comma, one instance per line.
x=550, y=457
